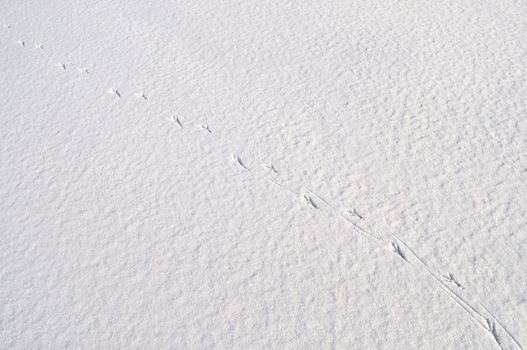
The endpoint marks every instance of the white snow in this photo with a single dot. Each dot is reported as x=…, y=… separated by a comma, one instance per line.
x=263, y=174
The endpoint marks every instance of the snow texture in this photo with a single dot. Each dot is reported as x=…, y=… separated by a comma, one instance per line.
x=261, y=174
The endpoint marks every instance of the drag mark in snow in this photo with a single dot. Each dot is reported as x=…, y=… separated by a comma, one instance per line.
x=487, y=323
x=342, y=214
x=483, y=317
x=304, y=198
x=396, y=247
x=328, y=208
x=493, y=321
x=284, y=188
x=360, y=229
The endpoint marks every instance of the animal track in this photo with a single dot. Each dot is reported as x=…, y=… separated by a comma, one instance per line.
x=7, y=26
x=450, y=278
x=284, y=187
x=270, y=167
x=178, y=122
x=353, y=212
x=394, y=247
x=238, y=161
x=115, y=92
x=309, y=201
x=491, y=326
x=490, y=323
x=206, y=128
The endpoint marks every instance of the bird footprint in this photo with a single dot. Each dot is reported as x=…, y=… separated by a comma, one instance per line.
x=270, y=167
x=394, y=247
x=206, y=128
x=178, y=122
x=353, y=212
x=238, y=161
x=450, y=278
x=115, y=92
x=309, y=201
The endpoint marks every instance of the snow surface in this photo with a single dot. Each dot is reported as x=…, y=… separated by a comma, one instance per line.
x=259, y=174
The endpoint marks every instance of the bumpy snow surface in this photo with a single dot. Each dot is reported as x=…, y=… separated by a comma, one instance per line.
x=257, y=174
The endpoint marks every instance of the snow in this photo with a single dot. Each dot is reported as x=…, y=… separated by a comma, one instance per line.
x=263, y=174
